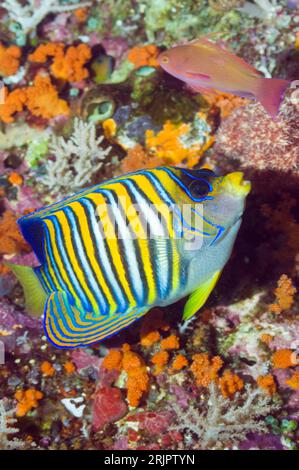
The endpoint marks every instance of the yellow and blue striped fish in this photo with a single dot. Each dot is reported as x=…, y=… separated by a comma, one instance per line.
x=110, y=253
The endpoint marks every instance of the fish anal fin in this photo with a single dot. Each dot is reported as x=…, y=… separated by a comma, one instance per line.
x=66, y=326
x=199, y=297
x=35, y=296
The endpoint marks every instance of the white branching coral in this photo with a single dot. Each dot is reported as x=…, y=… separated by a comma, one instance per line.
x=7, y=428
x=29, y=14
x=221, y=420
x=76, y=160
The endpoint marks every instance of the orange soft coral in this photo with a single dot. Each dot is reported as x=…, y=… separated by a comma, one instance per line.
x=171, y=342
x=137, y=383
x=81, y=14
x=14, y=102
x=266, y=338
x=9, y=60
x=138, y=379
x=160, y=360
x=69, y=64
x=70, y=67
x=11, y=240
x=109, y=128
x=225, y=102
x=43, y=100
x=230, y=383
x=113, y=360
x=15, y=178
x=69, y=367
x=144, y=55
x=267, y=383
x=283, y=358
x=47, y=369
x=179, y=363
x=44, y=51
x=204, y=369
x=293, y=382
x=27, y=400
x=138, y=158
x=169, y=148
x=153, y=322
x=284, y=294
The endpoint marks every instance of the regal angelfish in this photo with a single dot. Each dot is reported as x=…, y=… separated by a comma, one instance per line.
x=110, y=253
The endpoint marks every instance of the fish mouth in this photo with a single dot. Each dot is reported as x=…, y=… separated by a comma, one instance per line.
x=235, y=184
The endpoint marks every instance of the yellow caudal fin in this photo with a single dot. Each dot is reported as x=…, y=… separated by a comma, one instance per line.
x=199, y=297
x=35, y=296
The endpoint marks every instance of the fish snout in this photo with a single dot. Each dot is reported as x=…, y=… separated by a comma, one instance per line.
x=235, y=184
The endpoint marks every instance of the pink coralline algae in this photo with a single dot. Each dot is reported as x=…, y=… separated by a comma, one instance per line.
x=250, y=136
x=154, y=423
x=84, y=360
x=109, y=406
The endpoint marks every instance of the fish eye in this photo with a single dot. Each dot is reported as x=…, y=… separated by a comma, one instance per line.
x=199, y=188
x=165, y=59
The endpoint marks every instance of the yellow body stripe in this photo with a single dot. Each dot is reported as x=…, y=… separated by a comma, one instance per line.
x=132, y=215
x=160, y=205
x=80, y=275
x=49, y=262
x=112, y=242
x=57, y=257
x=89, y=247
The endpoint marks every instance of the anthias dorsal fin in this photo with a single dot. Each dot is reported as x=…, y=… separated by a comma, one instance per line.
x=221, y=48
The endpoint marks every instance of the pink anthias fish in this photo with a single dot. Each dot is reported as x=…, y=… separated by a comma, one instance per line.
x=207, y=66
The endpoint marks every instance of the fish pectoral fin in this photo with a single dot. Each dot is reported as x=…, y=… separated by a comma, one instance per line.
x=66, y=326
x=198, y=76
x=35, y=296
x=199, y=297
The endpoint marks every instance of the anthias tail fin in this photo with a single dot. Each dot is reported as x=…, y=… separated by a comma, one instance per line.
x=67, y=327
x=199, y=297
x=35, y=296
x=270, y=93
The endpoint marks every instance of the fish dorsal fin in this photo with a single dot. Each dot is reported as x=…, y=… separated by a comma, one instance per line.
x=68, y=327
x=221, y=47
x=199, y=297
x=33, y=232
x=35, y=296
